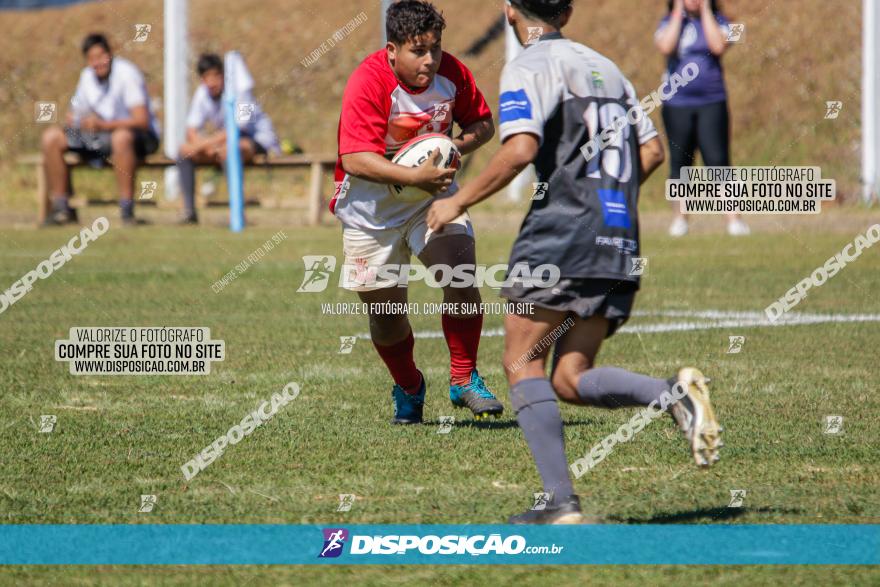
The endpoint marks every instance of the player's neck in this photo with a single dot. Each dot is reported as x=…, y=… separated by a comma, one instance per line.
x=526, y=27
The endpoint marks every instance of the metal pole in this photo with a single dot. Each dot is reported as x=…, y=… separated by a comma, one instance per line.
x=176, y=53
x=383, y=7
x=234, y=169
x=870, y=97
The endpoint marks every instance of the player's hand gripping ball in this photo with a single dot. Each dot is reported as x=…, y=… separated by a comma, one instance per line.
x=416, y=152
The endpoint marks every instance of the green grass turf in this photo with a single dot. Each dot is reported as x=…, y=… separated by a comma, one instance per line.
x=120, y=437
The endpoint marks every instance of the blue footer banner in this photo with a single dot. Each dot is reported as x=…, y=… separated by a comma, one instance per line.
x=266, y=544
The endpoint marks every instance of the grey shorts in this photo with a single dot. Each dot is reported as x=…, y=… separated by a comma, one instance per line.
x=97, y=146
x=584, y=297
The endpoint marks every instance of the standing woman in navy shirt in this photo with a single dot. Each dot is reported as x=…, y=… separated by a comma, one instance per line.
x=695, y=31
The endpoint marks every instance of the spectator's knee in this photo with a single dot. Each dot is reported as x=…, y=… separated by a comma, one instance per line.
x=53, y=138
x=122, y=138
x=186, y=152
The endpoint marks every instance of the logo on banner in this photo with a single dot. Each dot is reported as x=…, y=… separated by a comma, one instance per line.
x=334, y=540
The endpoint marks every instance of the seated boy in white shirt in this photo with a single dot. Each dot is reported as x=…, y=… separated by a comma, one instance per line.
x=110, y=117
x=206, y=133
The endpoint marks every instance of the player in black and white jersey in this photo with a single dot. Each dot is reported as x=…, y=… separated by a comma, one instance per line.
x=557, y=97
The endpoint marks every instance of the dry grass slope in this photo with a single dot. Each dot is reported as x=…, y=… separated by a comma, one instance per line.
x=792, y=61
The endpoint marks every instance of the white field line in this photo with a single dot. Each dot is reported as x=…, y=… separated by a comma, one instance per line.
x=711, y=319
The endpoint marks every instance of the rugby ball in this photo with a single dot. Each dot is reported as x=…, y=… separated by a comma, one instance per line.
x=414, y=153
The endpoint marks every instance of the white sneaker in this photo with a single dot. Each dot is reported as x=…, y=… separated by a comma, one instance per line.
x=679, y=227
x=208, y=189
x=694, y=415
x=738, y=228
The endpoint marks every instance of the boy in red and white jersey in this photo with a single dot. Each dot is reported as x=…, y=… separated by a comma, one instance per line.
x=408, y=89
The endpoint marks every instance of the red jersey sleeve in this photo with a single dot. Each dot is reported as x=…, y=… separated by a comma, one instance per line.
x=470, y=105
x=366, y=104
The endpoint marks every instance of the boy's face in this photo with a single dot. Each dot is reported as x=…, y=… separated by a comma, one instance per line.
x=417, y=60
x=213, y=79
x=99, y=59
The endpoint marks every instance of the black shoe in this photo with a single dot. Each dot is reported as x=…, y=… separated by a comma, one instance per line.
x=188, y=220
x=61, y=217
x=567, y=511
x=134, y=221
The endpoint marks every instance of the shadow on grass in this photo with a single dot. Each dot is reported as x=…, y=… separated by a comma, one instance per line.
x=703, y=514
x=500, y=424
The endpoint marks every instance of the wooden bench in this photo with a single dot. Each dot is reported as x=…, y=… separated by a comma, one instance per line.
x=318, y=164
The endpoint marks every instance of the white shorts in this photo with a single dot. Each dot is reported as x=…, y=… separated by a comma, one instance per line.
x=367, y=249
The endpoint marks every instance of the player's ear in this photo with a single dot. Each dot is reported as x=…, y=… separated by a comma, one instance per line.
x=510, y=12
x=563, y=18
x=391, y=49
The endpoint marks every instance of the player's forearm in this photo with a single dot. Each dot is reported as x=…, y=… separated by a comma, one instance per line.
x=507, y=163
x=206, y=143
x=651, y=155
x=216, y=139
x=475, y=135
x=375, y=167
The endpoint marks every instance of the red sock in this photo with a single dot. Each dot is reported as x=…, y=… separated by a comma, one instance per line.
x=399, y=360
x=463, y=339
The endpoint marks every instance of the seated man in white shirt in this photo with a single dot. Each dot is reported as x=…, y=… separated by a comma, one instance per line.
x=206, y=134
x=109, y=117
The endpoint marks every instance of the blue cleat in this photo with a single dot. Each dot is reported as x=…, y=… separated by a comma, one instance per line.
x=408, y=407
x=476, y=397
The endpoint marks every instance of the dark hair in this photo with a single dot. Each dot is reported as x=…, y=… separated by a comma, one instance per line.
x=408, y=19
x=545, y=10
x=714, y=3
x=207, y=62
x=95, y=39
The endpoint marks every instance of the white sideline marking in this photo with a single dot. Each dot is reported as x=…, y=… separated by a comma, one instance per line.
x=710, y=319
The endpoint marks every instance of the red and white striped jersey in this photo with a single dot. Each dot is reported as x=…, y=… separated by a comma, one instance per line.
x=379, y=115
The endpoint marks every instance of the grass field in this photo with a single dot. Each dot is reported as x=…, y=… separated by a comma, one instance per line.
x=120, y=437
